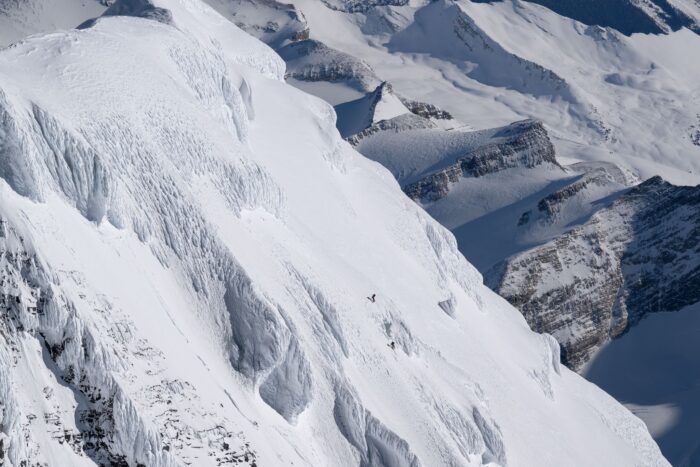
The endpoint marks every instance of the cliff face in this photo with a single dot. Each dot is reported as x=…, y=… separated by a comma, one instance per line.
x=522, y=144
x=312, y=60
x=637, y=256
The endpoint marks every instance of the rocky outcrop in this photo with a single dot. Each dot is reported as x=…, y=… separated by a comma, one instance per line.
x=425, y=110
x=138, y=8
x=606, y=177
x=521, y=144
x=403, y=122
x=634, y=257
x=384, y=110
x=312, y=60
x=360, y=6
x=694, y=132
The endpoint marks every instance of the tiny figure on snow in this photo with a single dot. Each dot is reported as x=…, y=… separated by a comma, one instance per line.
x=373, y=298
x=392, y=345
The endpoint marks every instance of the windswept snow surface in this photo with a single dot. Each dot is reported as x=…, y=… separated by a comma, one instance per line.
x=20, y=18
x=186, y=245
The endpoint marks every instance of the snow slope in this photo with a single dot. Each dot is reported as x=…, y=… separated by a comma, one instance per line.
x=631, y=101
x=498, y=190
x=626, y=106
x=186, y=246
x=20, y=18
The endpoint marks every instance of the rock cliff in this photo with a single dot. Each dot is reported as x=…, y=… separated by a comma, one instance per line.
x=637, y=256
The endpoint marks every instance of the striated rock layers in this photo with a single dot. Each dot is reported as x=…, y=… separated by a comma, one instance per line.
x=639, y=255
x=521, y=144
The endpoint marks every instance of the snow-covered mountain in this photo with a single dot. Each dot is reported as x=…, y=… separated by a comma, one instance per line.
x=583, y=249
x=186, y=250
x=541, y=115
x=20, y=18
x=628, y=16
x=603, y=96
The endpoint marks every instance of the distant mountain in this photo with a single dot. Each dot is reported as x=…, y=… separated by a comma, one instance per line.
x=628, y=16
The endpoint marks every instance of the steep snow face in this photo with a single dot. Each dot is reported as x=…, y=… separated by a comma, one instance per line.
x=20, y=18
x=186, y=248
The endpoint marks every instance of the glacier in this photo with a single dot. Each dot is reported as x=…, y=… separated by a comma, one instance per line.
x=186, y=248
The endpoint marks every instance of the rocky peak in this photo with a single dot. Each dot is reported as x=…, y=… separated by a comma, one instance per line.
x=426, y=110
x=377, y=106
